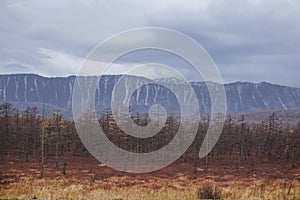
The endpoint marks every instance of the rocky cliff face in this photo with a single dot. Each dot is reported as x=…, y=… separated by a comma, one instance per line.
x=29, y=89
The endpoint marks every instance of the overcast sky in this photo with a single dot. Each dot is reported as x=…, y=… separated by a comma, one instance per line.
x=248, y=40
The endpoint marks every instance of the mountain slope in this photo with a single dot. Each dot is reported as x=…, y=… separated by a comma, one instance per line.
x=30, y=89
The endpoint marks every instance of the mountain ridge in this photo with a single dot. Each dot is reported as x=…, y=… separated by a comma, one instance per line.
x=56, y=92
x=192, y=81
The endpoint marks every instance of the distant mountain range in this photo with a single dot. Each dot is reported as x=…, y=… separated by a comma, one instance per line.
x=32, y=90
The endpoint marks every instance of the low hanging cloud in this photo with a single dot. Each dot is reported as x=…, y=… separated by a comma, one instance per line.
x=249, y=40
x=52, y=60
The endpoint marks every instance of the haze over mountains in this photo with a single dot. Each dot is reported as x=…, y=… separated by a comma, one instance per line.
x=32, y=90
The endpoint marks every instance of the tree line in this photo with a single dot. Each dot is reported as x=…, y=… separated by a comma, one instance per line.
x=34, y=137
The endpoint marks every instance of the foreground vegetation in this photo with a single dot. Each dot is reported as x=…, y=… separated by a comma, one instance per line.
x=62, y=189
x=41, y=157
x=86, y=178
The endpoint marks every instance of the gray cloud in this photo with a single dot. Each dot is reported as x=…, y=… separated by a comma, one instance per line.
x=249, y=40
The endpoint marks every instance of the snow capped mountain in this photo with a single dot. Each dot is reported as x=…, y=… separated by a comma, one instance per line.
x=30, y=89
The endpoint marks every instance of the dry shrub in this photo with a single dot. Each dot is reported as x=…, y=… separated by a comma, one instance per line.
x=209, y=191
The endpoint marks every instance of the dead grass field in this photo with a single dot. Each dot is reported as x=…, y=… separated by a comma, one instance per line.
x=88, y=179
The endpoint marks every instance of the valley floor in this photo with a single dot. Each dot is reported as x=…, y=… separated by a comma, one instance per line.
x=86, y=178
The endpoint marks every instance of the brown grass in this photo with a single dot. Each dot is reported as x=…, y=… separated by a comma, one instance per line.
x=63, y=188
x=174, y=182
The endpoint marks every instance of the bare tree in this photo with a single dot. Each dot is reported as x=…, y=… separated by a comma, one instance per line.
x=31, y=132
x=43, y=142
x=57, y=118
x=6, y=111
